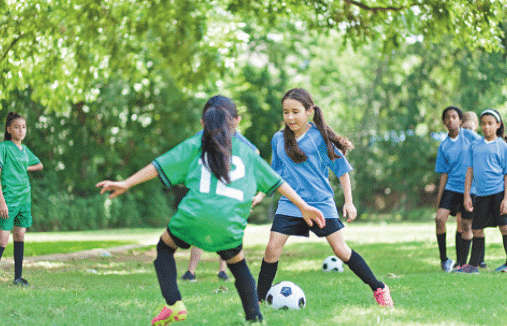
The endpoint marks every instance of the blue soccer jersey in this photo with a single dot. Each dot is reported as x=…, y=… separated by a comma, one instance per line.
x=451, y=159
x=310, y=179
x=489, y=161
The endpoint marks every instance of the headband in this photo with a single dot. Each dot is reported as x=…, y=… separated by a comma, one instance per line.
x=493, y=113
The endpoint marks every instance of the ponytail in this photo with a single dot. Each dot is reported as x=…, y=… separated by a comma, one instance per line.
x=216, y=141
x=11, y=116
x=330, y=137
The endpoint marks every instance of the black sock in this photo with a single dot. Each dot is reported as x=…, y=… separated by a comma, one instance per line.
x=245, y=284
x=357, y=264
x=504, y=237
x=165, y=266
x=1, y=251
x=458, y=246
x=465, y=249
x=266, y=277
x=442, y=246
x=477, y=250
x=481, y=257
x=19, y=251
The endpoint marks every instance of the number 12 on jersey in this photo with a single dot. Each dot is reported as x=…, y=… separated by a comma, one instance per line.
x=222, y=189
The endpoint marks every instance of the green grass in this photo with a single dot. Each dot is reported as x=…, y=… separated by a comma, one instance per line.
x=123, y=290
x=49, y=247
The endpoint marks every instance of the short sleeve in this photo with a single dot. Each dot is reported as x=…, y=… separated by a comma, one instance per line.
x=276, y=163
x=441, y=165
x=504, y=157
x=173, y=166
x=3, y=154
x=266, y=178
x=340, y=165
x=32, y=159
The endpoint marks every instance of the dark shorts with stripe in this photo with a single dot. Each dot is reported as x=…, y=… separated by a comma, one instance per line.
x=487, y=212
x=291, y=225
x=453, y=201
x=224, y=254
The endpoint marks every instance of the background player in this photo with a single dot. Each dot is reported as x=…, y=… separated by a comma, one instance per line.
x=16, y=160
x=213, y=214
x=303, y=153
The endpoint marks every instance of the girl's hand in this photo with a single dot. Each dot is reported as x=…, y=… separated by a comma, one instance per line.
x=468, y=203
x=350, y=212
x=311, y=214
x=503, y=207
x=257, y=199
x=4, y=211
x=117, y=187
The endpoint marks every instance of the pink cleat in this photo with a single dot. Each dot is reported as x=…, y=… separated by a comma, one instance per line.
x=169, y=314
x=383, y=297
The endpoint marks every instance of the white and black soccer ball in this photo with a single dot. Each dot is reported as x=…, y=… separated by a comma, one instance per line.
x=332, y=264
x=286, y=295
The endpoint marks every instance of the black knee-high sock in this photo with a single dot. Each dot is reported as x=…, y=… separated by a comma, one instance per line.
x=477, y=250
x=458, y=246
x=357, y=264
x=483, y=252
x=465, y=249
x=19, y=252
x=505, y=246
x=442, y=246
x=1, y=251
x=245, y=284
x=266, y=277
x=165, y=266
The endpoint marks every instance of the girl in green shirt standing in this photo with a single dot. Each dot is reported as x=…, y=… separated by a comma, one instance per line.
x=15, y=192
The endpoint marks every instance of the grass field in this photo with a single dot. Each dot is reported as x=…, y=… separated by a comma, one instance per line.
x=122, y=289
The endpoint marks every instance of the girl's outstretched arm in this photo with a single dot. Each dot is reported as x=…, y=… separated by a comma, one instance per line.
x=119, y=187
x=35, y=167
x=349, y=210
x=310, y=214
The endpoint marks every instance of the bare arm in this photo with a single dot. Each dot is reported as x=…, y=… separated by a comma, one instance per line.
x=441, y=186
x=119, y=187
x=503, y=205
x=349, y=210
x=35, y=167
x=4, y=211
x=310, y=214
x=468, y=185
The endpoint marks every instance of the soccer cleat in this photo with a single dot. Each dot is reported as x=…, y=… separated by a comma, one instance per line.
x=483, y=265
x=223, y=276
x=169, y=314
x=502, y=268
x=383, y=297
x=447, y=265
x=20, y=282
x=188, y=276
x=468, y=269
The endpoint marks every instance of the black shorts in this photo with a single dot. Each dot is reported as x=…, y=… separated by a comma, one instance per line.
x=487, y=212
x=453, y=201
x=224, y=254
x=291, y=225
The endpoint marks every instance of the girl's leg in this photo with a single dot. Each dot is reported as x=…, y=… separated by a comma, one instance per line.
x=440, y=221
x=466, y=239
x=165, y=266
x=4, y=239
x=459, y=237
x=269, y=264
x=477, y=247
x=18, y=235
x=503, y=230
x=245, y=284
x=355, y=262
x=195, y=256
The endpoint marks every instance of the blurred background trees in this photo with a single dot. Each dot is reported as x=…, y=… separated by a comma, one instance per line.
x=108, y=86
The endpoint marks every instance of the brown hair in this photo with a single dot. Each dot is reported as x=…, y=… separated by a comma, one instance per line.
x=11, y=117
x=330, y=137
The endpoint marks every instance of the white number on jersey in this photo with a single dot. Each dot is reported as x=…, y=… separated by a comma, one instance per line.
x=222, y=189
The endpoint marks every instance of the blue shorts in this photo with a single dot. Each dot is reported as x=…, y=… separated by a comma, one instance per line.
x=453, y=201
x=224, y=254
x=291, y=225
x=487, y=212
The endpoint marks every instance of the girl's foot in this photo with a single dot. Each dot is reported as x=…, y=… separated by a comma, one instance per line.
x=383, y=297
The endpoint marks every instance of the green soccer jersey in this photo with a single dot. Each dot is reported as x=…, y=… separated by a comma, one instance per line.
x=213, y=215
x=14, y=163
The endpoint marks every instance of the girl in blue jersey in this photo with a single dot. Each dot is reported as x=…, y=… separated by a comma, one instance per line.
x=487, y=165
x=16, y=160
x=452, y=166
x=303, y=153
x=213, y=214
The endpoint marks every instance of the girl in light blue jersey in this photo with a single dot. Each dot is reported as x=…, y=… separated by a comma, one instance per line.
x=303, y=153
x=487, y=165
x=451, y=165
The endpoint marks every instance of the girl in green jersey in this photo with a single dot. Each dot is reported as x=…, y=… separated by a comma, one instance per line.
x=15, y=192
x=222, y=175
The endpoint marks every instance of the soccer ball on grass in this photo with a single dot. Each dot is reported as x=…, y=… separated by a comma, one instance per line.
x=332, y=264
x=286, y=295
